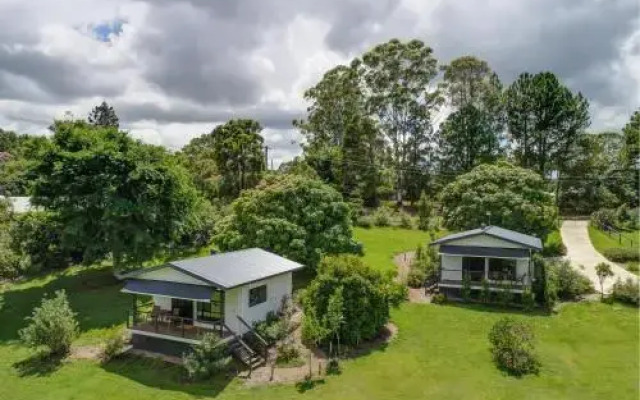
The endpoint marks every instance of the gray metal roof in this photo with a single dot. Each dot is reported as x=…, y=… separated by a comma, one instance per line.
x=478, y=251
x=228, y=270
x=495, y=231
x=169, y=289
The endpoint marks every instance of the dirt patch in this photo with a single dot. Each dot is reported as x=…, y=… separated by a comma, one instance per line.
x=85, y=353
x=403, y=262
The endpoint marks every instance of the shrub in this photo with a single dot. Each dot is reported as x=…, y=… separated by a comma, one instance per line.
x=485, y=293
x=405, y=220
x=553, y=245
x=626, y=291
x=333, y=367
x=207, y=358
x=271, y=329
x=622, y=254
x=466, y=288
x=113, y=346
x=287, y=353
x=569, y=283
x=633, y=266
x=10, y=266
x=416, y=278
x=365, y=222
x=382, y=217
x=52, y=325
x=604, y=217
x=513, y=347
x=439, y=298
x=527, y=300
x=366, y=296
x=505, y=294
x=425, y=209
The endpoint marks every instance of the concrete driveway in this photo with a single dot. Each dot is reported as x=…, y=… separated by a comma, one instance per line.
x=580, y=251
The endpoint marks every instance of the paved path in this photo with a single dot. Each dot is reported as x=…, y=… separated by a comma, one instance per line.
x=575, y=235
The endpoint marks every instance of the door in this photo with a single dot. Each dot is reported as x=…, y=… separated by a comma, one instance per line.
x=182, y=308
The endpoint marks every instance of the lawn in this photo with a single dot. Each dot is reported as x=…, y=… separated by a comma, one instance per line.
x=602, y=241
x=381, y=244
x=588, y=350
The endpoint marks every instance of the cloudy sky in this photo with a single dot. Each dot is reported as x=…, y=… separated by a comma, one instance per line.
x=173, y=69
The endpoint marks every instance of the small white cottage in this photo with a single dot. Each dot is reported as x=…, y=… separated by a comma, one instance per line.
x=500, y=257
x=225, y=293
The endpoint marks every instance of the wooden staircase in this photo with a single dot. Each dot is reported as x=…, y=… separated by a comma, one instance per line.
x=250, y=350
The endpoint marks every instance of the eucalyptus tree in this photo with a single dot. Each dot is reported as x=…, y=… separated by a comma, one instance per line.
x=472, y=132
x=397, y=78
x=342, y=143
x=631, y=148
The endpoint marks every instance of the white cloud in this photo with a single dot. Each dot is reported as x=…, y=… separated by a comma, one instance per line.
x=178, y=69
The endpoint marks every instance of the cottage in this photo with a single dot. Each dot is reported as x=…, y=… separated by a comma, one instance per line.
x=225, y=293
x=500, y=257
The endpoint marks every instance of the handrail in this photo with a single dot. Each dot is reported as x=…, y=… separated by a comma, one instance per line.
x=239, y=339
x=256, y=334
x=180, y=322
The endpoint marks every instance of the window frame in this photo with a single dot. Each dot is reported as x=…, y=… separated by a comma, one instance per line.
x=501, y=269
x=257, y=295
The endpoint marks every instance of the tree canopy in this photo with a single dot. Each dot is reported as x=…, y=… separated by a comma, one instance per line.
x=348, y=300
x=103, y=115
x=296, y=217
x=501, y=194
x=544, y=119
x=112, y=194
x=631, y=149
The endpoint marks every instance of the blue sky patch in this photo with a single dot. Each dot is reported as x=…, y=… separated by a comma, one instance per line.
x=103, y=31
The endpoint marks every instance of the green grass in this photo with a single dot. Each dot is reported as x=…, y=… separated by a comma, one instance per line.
x=588, y=350
x=381, y=244
x=602, y=241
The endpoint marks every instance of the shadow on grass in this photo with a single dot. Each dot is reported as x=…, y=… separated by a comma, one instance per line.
x=40, y=364
x=161, y=375
x=93, y=293
x=497, y=309
x=308, y=384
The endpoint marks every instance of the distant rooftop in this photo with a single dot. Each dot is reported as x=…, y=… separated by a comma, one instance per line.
x=20, y=204
x=495, y=231
x=228, y=270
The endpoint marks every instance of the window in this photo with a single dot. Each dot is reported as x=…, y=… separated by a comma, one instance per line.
x=257, y=295
x=212, y=311
x=473, y=267
x=502, y=269
x=182, y=308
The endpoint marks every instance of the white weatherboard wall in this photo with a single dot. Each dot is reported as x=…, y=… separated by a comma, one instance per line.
x=237, y=301
x=171, y=275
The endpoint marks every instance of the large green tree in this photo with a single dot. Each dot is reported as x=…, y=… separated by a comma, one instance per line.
x=500, y=194
x=112, y=194
x=471, y=134
x=398, y=80
x=291, y=215
x=198, y=157
x=631, y=149
x=17, y=154
x=342, y=143
x=103, y=115
x=544, y=119
x=362, y=295
x=238, y=151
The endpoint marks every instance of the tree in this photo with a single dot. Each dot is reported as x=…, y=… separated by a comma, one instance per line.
x=366, y=298
x=631, y=149
x=398, y=85
x=467, y=139
x=18, y=153
x=343, y=144
x=103, y=115
x=544, y=119
x=293, y=216
x=238, y=154
x=500, y=194
x=112, y=194
x=198, y=157
x=52, y=325
x=425, y=209
x=470, y=81
x=603, y=270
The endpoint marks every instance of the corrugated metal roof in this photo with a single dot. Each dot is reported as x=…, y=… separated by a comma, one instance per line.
x=169, y=289
x=495, y=231
x=19, y=204
x=228, y=270
x=477, y=251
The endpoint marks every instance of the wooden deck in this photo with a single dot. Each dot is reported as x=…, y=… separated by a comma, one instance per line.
x=183, y=329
